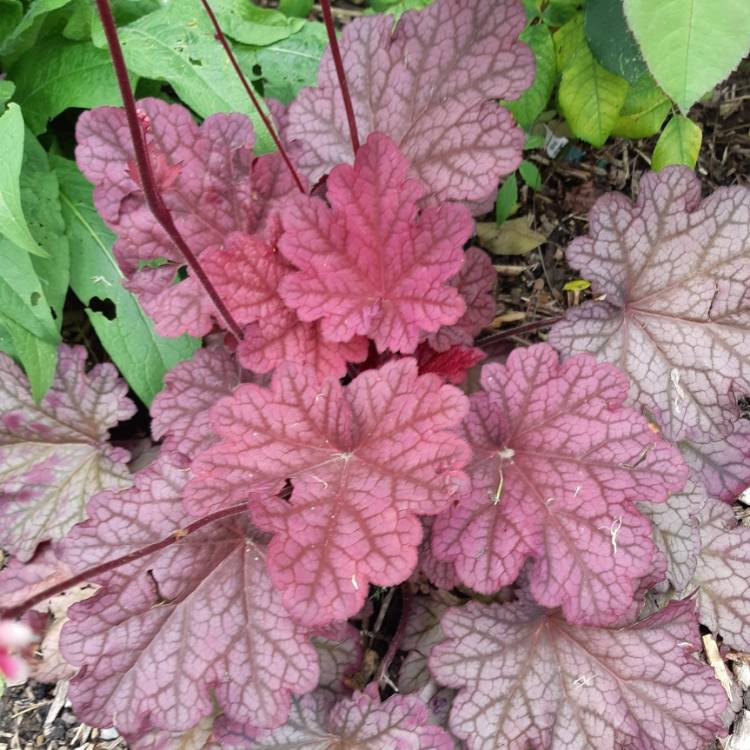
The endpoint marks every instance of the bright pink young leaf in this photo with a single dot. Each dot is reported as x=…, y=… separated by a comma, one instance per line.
x=475, y=283
x=557, y=466
x=209, y=181
x=361, y=722
x=171, y=632
x=723, y=465
x=272, y=341
x=180, y=412
x=527, y=678
x=453, y=364
x=676, y=532
x=372, y=264
x=675, y=272
x=56, y=454
x=723, y=576
x=432, y=85
x=363, y=461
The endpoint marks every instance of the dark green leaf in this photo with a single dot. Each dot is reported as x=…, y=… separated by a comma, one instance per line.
x=40, y=18
x=507, y=199
x=296, y=8
x=612, y=41
x=530, y=174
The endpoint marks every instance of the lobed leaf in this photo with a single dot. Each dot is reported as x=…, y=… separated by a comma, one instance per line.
x=428, y=84
x=674, y=271
x=558, y=463
x=527, y=678
x=173, y=631
x=363, y=462
x=55, y=455
x=361, y=722
x=208, y=180
x=372, y=264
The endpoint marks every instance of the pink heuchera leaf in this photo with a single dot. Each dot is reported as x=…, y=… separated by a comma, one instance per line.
x=676, y=532
x=171, y=632
x=363, y=461
x=722, y=576
x=674, y=271
x=56, y=454
x=272, y=341
x=180, y=412
x=722, y=465
x=475, y=283
x=557, y=466
x=340, y=651
x=372, y=264
x=19, y=581
x=431, y=84
x=361, y=722
x=439, y=573
x=208, y=180
x=527, y=678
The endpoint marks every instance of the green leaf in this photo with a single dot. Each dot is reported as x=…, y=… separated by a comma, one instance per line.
x=506, y=203
x=533, y=101
x=140, y=354
x=290, y=65
x=559, y=12
x=690, y=45
x=6, y=92
x=296, y=8
x=62, y=74
x=530, y=174
x=611, y=41
x=11, y=12
x=513, y=237
x=249, y=24
x=590, y=96
x=397, y=8
x=37, y=356
x=40, y=18
x=679, y=143
x=644, y=111
x=12, y=221
x=177, y=45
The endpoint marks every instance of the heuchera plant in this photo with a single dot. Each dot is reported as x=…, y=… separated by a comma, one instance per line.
x=318, y=444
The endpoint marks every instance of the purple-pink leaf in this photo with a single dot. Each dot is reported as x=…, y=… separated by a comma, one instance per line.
x=207, y=178
x=372, y=264
x=361, y=722
x=557, y=466
x=527, y=678
x=180, y=412
x=431, y=84
x=56, y=454
x=363, y=461
x=676, y=531
x=340, y=651
x=674, y=272
x=475, y=283
x=174, y=631
x=723, y=576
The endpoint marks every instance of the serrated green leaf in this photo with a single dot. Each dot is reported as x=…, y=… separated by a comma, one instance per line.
x=12, y=220
x=40, y=14
x=690, y=45
x=291, y=64
x=611, y=40
x=61, y=74
x=644, y=111
x=176, y=44
x=506, y=203
x=533, y=101
x=679, y=143
x=590, y=96
x=140, y=354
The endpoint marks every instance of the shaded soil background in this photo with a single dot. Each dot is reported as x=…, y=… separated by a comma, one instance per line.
x=529, y=288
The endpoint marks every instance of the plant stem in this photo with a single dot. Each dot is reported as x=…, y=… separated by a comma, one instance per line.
x=97, y=570
x=535, y=325
x=398, y=636
x=253, y=98
x=325, y=6
x=145, y=172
